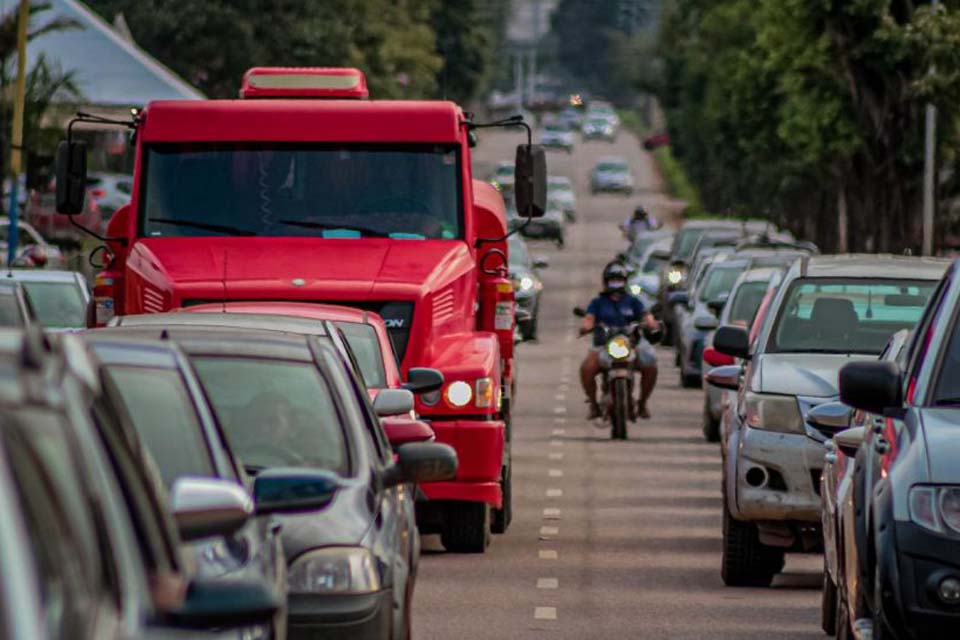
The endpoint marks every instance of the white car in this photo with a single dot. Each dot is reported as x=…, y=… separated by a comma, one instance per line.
x=503, y=176
x=556, y=136
x=110, y=191
x=560, y=190
x=61, y=300
x=32, y=249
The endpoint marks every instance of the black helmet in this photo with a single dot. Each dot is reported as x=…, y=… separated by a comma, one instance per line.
x=639, y=213
x=615, y=276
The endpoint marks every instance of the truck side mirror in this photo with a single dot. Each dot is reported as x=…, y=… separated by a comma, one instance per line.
x=530, y=181
x=71, y=173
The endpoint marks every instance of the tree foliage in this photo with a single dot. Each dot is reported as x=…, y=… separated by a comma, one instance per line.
x=801, y=109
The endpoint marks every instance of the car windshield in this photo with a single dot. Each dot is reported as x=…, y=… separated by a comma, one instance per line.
x=686, y=242
x=654, y=264
x=718, y=281
x=555, y=128
x=834, y=315
x=407, y=192
x=275, y=413
x=58, y=305
x=365, y=345
x=9, y=309
x=559, y=184
x=612, y=167
x=746, y=301
x=598, y=122
x=504, y=170
x=159, y=406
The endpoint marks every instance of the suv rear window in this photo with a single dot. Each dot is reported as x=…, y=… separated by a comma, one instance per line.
x=365, y=345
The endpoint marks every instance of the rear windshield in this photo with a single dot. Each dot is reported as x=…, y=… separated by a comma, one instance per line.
x=686, y=242
x=275, y=413
x=58, y=305
x=161, y=410
x=613, y=167
x=365, y=345
x=834, y=315
x=719, y=281
x=745, y=303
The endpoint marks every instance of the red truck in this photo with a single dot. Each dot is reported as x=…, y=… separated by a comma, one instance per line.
x=304, y=190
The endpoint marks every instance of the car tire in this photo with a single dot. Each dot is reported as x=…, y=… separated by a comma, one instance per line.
x=829, y=611
x=501, y=518
x=466, y=528
x=711, y=425
x=690, y=380
x=745, y=561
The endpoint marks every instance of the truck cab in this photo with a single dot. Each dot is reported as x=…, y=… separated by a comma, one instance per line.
x=303, y=190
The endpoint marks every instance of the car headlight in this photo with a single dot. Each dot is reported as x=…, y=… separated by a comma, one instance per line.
x=526, y=283
x=675, y=275
x=773, y=412
x=935, y=508
x=636, y=289
x=618, y=348
x=341, y=570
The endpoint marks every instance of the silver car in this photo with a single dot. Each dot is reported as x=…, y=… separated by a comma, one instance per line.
x=60, y=299
x=830, y=310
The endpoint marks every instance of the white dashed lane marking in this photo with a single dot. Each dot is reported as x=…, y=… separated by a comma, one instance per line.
x=559, y=409
x=549, y=531
x=551, y=514
x=554, y=493
x=555, y=473
x=545, y=613
x=559, y=432
x=548, y=583
x=548, y=554
x=555, y=456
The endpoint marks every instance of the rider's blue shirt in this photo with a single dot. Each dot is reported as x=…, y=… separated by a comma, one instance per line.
x=612, y=313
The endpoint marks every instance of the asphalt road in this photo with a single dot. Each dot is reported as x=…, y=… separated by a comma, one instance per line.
x=609, y=539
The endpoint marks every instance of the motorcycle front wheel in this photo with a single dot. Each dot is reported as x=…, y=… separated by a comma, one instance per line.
x=620, y=409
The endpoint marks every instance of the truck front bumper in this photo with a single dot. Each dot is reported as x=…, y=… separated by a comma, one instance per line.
x=480, y=453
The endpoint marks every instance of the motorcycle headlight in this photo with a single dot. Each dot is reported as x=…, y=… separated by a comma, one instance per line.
x=675, y=275
x=636, y=289
x=340, y=570
x=935, y=508
x=618, y=348
x=526, y=283
x=773, y=412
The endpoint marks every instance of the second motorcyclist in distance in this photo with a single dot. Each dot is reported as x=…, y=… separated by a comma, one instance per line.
x=615, y=307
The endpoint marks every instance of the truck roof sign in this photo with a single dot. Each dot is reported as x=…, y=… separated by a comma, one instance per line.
x=304, y=82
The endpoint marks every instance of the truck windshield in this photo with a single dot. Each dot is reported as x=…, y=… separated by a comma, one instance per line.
x=408, y=192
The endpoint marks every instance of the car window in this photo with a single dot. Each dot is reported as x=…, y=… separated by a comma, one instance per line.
x=654, y=264
x=746, y=301
x=836, y=315
x=718, y=282
x=51, y=491
x=10, y=315
x=365, y=345
x=162, y=412
x=275, y=413
x=685, y=243
x=58, y=305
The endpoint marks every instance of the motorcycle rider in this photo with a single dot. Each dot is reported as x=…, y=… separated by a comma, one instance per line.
x=615, y=307
x=640, y=222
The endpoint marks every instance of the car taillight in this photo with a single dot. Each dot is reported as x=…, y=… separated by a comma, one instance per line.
x=716, y=359
x=97, y=193
x=104, y=297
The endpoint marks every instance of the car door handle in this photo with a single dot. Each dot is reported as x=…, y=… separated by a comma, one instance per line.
x=881, y=446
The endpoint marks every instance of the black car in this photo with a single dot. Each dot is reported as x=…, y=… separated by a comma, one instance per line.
x=86, y=540
x=907, y=479
x=290, y=400
x=526, y=285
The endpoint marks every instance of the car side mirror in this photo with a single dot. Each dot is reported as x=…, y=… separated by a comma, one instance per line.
x=726, y=377
x=580, y=312
x=849, y=440
x=71, y=174
x=225, y=603
x=393, y=402
x=872, y=386
x=401, y=431
x=419, y=462
x=206, y=507
x=716, y=305
x=293, y=490
x=706, y=323
x=530, y=181
x=540, y=263
x=423, y=380
x=733, y=341
x=831, y=417
x=678, y=298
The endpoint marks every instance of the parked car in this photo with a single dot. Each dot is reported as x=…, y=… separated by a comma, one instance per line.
x=351, y=566
x=15, y=307
x=560, y=190
x=597, y=127
x=557, y=136
x=526, y=285
x=109, y=191
x=842, y=597
x=571, y=117
x=61, y=300
x=611, y=174
x=830, y=310
x=548, y=227
x=88, y=547
x=741, y=310
x=42, y=214
x=905, y=481
x=33, y=250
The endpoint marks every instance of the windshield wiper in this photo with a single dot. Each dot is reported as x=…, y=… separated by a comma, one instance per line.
x=943, y=402
x=253, y=469
x=326, y=226
x=206, y=226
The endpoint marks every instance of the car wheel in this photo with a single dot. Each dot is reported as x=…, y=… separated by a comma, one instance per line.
x=829, y=614
x=466, y=528
x=711, y=425
x=745, y=561
x=502, y=517
x=690, y=380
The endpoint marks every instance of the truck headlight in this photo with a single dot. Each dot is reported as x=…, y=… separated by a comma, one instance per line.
x=341, y=570
x=935, y=508
x=618, y=348
x=458, y=394
x=773, y=412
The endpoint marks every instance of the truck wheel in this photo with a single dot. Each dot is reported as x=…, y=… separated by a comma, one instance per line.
x=746, y=562
x=828, y=604
x=466, y=527
x=502, y=517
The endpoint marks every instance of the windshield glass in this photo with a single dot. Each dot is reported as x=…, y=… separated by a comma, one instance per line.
x=517, y=248
x=746, y=301
x=58, y=305
x=718, y=281
x=612, y=167
x=686, y=242
x=275, y=413
x=654, y=264
x=363, y=341
x=159, y=406
x=409, y=192
x=9, y=309
x=847, y=316
x=559, y=184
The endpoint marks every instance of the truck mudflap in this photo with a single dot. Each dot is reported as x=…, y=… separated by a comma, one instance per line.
x=479, y=445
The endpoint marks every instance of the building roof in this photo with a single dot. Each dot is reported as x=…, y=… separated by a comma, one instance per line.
x=108, y=69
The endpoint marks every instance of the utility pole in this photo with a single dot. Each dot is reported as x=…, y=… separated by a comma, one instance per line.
x=929, y=173
x=16, y=147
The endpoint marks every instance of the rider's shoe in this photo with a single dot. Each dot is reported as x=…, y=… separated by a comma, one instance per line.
x=643, y=411
x=594, y=410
